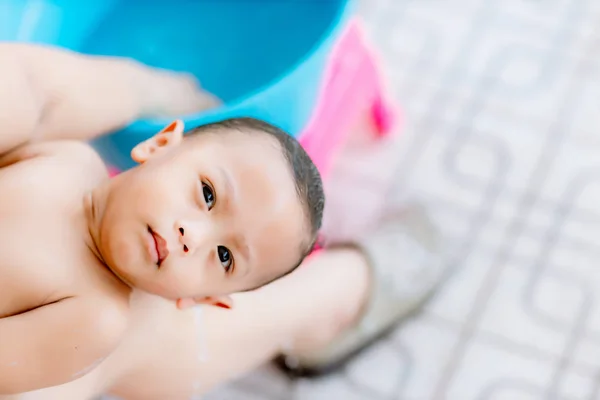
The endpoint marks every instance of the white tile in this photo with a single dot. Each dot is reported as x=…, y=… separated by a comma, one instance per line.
x=267, y=379
x=490, y=371
x=587, y=117
x=574, y=176
x=558, y=297
x=432, y=177
x=426, y=345
x=455, y=300
x=587, y=354
x=527, y=248
x=335, y=387
x=379, y=368
x=232, y=393
x=513, y=392
x=576, y=386
x=523, y=314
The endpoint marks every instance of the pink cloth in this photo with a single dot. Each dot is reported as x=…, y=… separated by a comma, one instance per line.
x=351, y=88
x=112, y=171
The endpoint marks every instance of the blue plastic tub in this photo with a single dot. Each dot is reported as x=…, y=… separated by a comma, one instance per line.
x=264, y=58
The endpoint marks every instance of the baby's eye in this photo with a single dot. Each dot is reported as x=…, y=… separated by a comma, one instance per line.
x=209, y=195
x=225, y=257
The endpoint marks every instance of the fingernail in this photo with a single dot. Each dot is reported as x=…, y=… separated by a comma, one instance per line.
x=222, y=305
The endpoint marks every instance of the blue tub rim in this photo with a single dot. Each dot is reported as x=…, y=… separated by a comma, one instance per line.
x=228, y=110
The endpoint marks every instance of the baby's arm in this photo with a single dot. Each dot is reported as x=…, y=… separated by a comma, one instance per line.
x=57, y=343
x=50, y=93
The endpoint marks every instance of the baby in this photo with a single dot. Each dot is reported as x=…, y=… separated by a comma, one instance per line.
x=227, y=208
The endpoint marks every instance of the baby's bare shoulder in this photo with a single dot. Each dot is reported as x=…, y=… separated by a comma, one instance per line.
x=67, y=153
x=65, y=168
x=39, y=241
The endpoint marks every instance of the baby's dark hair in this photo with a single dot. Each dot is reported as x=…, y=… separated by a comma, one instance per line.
x=307, y=178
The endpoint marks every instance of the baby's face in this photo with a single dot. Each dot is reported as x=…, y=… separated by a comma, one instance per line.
x=210, y=215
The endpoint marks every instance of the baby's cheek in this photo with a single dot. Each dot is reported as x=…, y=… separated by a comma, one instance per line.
x=123, y=252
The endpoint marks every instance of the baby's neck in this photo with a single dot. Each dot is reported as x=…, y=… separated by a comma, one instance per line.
x=92, y=236
x=90, y=217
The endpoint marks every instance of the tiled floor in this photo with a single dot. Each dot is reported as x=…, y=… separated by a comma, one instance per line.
x=502, y=98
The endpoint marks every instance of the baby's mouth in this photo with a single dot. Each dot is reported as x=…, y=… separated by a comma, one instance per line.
x=161, y=247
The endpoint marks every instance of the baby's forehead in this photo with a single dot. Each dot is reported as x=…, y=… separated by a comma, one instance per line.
x=255, y=143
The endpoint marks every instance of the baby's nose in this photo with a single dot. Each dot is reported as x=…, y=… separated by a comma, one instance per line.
x=192, y=235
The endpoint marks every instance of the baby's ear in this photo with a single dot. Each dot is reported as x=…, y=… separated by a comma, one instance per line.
x=218, y=301
x=170, y=136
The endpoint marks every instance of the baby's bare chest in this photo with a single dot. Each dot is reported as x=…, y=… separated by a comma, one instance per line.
x=42, y=251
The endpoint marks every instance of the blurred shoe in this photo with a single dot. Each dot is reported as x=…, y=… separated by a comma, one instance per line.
x=405, y=256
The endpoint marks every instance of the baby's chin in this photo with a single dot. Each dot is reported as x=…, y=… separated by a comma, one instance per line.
x=146, y=277
x=119, y=258
x=157, y=287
